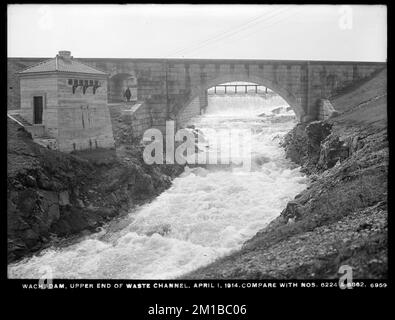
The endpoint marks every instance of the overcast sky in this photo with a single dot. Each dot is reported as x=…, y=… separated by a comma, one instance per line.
x=311, y=32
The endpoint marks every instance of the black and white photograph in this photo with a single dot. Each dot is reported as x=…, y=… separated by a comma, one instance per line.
x=186, y=146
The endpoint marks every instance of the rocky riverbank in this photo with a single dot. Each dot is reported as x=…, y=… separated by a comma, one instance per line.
x=53, y=196
x=341, y=218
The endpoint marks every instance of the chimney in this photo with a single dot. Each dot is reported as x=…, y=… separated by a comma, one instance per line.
x=65, y=55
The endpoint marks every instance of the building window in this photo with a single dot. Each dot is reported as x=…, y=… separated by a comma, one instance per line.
x=70, y=82
x=38, y=106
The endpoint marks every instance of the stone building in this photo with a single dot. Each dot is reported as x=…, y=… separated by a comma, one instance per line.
x=64, y=104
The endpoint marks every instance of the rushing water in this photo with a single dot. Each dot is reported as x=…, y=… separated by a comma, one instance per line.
x=206, y=213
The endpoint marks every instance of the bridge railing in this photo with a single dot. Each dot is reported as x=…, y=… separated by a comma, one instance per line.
x=237, y=89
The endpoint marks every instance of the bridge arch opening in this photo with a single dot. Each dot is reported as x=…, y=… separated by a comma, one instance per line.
x=238, y=88
x=244, y=99
x=199, y=96
x=118, y=84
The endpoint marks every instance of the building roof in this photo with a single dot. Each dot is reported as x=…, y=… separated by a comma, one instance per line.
x=63, y=62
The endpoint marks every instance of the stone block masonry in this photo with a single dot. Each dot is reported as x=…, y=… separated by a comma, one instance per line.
x=139, y=118
x=83, y=119
x=169, y=86
x=191, y=110
x=65, y=100
x=326, y=110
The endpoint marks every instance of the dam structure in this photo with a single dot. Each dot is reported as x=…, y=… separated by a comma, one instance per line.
x=208, y=212
x=177, y=89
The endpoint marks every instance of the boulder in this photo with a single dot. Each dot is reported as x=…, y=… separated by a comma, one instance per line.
x=316, y=132
x=43, y=182
x=72, y=221
x=49, y=204
x=143, y=184
x=80, y=203
x=26, y=202
x=64, y=198
x=282, y=118
x=277, y=110
x=161, y=229
x=30, y=238
x=292, y=211
x=30, y=181
x=295, y=144
x=332, y=151
x=355, y=143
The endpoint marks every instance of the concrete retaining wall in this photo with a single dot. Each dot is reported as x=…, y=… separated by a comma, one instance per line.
x=139, y=118
x=190, y=111
x=326, y=110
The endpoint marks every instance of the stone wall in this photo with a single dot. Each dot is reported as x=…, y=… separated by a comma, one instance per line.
x=15, y=65
x=83, y=119
x=190, y=111
x=78, y=121
x=139, y=118
x=33, y=85
x=326, y=110
x=169, y=85
x=327, y=79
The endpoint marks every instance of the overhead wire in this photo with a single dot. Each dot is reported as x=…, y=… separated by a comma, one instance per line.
x=267, y=16
x=238, y=31
x=231, y=32
x=275, y=23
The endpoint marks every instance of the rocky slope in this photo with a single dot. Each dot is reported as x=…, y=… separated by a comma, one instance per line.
x=341, y=218
x=53, y=195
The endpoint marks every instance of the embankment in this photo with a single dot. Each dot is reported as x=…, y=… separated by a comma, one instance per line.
x=52, y=195
x=341, y=218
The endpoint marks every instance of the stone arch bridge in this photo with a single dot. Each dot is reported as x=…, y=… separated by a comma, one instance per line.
x=177, y=88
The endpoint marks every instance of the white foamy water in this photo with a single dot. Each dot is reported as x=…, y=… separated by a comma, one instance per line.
x=206, y=214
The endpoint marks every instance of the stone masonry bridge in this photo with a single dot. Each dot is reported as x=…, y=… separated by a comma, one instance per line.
x=177, y=88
